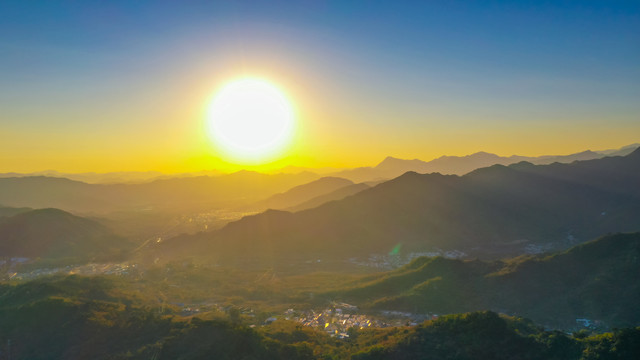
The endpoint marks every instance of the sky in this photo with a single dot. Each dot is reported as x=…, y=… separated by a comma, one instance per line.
x=125, y=85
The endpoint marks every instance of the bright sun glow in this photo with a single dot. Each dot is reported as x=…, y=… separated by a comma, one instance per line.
x=251, y=121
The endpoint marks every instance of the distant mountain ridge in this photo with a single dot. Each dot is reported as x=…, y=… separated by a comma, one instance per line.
x=392, y=167
x=243, y=187
x=389, y=168
x=491, y=212
x=236, y=190
x=117, y=177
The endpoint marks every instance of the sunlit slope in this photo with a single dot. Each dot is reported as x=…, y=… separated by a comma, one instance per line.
x=78, y=317
x=596, y=280
x=56, y=234
x=491, y=212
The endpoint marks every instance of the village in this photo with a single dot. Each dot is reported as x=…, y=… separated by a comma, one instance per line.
x=341, y=317
x=86, y=270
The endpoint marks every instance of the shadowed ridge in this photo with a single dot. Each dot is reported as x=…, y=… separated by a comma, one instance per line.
x=414, y=177
x=269, y=221
x=585, y=257
x=493, y=170
x=269, y=215
x=490, y=213
x=335, y=195
x=522, y=165
x=635, y=154
x=55, y=234
x=305, y=192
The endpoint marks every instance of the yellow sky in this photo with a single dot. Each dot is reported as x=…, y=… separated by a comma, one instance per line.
x=162, y=127
x=174, y=139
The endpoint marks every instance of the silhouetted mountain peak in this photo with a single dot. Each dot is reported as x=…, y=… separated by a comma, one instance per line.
x=394, y=164
x=635, y=154
x=411, y=181
x=409, y=174
x=388, y=159
x=484, y=154
x=50, y=211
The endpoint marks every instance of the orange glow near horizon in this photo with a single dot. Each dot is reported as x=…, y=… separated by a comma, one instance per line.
x=316, y=145
x=173, y=138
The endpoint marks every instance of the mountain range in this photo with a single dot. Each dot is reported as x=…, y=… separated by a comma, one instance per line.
x=176, y=194
x=102, y=193
x=459, y=165
x=117, y=177
x=389, y=168
x=491, y=213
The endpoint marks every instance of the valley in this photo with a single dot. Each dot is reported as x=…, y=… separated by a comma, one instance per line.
x=409, y=253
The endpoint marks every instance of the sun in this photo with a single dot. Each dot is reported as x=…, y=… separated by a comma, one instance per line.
x=251, y=121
